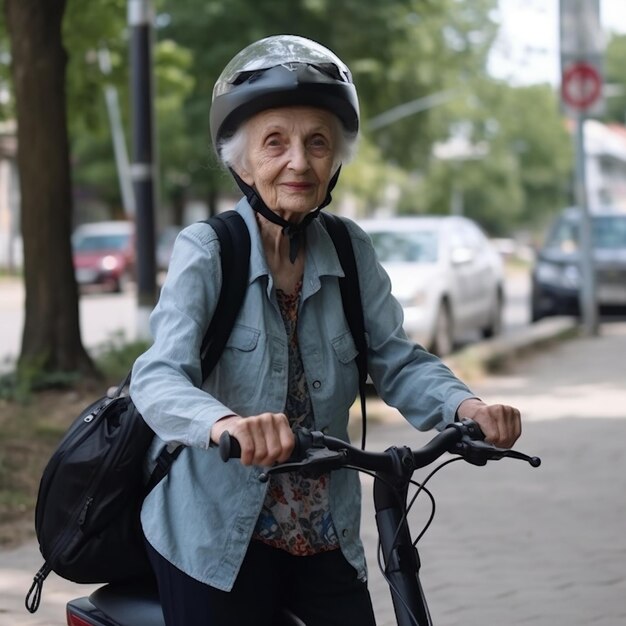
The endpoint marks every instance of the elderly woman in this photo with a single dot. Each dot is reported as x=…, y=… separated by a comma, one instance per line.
x=225, y=547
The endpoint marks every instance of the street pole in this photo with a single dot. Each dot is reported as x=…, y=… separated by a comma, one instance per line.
x=587, y=291
x=582, y=49
x=117, y=133
x=407, y=109
x=140, y=19
x=456, y=200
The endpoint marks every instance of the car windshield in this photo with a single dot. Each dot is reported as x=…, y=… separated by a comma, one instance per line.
x=609, y=233
x=408, y=247
x=93, y=243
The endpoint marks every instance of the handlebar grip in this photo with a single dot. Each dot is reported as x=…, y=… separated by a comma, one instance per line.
x=473, y=429
x=229, y=447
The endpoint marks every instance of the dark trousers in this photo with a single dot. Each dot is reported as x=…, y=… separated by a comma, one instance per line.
x=322, y=590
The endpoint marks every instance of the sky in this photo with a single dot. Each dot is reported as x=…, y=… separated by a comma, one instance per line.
x=527, y=50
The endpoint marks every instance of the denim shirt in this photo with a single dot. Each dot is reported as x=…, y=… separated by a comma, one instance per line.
x=202, y=515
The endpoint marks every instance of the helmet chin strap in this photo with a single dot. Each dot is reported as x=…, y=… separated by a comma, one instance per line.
x=294, y=231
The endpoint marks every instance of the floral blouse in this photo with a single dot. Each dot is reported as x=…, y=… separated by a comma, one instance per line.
x=296, y=514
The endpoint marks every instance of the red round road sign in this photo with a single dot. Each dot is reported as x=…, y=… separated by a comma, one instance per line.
x=581, y=86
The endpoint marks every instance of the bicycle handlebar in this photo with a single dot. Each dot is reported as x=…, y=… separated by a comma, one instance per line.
x=316, y=452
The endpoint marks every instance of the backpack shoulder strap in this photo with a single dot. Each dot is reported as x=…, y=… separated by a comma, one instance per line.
x=351, y=299
x=349, y=285
x=234, y=260
x=234, y=240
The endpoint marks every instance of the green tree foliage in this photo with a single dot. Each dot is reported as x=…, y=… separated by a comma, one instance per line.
x=94, y=159
x=7, y=111
x=101, y=26
x=517, y=162
x=88, y=27
x=615, y=76
x=434, y=51
x=535, y=135
x=371, y=183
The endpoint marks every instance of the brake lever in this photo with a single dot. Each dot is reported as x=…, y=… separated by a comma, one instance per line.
x=316, y=462
x=475, y=450
x=479, y=452
x=533, y=461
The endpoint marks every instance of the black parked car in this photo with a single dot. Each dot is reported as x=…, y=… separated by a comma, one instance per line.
x=556, y=274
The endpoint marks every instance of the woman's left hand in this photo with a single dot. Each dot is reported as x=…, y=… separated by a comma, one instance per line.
x=500, y=423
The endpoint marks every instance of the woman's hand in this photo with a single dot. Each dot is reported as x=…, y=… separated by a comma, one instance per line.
x=264, y=439
x=501, y=424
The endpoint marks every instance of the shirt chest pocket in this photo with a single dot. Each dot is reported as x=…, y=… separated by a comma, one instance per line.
x=347, y=378
x=243, y=338
x=240, y=365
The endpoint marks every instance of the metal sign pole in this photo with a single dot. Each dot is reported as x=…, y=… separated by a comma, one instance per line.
x=582, y=46
x=587, y=291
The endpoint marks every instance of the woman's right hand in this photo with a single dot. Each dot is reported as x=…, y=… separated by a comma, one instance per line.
x=265, y=439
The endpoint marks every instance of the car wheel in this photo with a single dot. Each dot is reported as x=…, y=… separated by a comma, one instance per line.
x=122, y=283
x=495, y=323
x=537, y=311
x=442, y=342
x=536, y=314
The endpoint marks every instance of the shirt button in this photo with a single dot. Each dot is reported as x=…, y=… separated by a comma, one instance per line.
x=325, y=430
x=345, y=532
x=317, y=384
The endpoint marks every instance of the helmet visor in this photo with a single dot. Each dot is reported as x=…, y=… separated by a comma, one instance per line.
x=285, y=50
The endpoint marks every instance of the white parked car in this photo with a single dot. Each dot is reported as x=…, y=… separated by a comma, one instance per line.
x=447, y=276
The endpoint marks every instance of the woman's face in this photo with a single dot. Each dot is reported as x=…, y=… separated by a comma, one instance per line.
x=289, y=158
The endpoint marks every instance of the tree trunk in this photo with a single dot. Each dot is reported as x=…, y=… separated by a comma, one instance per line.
x=51, y=340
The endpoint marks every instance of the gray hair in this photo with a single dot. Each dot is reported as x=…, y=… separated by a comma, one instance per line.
x=233, y=149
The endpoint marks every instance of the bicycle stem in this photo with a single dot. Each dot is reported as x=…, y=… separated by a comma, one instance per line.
x=401, y=558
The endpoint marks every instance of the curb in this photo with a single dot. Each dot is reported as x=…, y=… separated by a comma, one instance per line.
x=493, y=355
x=478, y=360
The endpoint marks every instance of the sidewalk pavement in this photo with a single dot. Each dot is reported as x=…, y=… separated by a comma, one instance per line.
x=509, y=544
x=512, y=545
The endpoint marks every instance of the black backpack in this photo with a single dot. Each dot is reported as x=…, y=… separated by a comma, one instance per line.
x=91, y=491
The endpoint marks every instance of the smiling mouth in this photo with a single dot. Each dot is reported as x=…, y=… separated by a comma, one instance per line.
x=298, y=186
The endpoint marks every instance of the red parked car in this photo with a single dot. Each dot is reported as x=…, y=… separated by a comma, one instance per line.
x=104, y=254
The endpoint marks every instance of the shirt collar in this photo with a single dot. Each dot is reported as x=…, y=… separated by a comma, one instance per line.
x=321, y=256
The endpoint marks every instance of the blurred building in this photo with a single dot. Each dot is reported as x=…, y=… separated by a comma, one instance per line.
x=605, y=147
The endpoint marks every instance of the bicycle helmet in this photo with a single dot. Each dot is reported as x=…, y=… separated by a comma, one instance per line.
x=282, y=70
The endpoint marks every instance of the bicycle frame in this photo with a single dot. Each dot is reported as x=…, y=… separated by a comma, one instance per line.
x=401, y=560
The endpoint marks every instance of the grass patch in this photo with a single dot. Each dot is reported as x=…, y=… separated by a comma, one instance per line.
x=115, y=357
x=10, y=274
